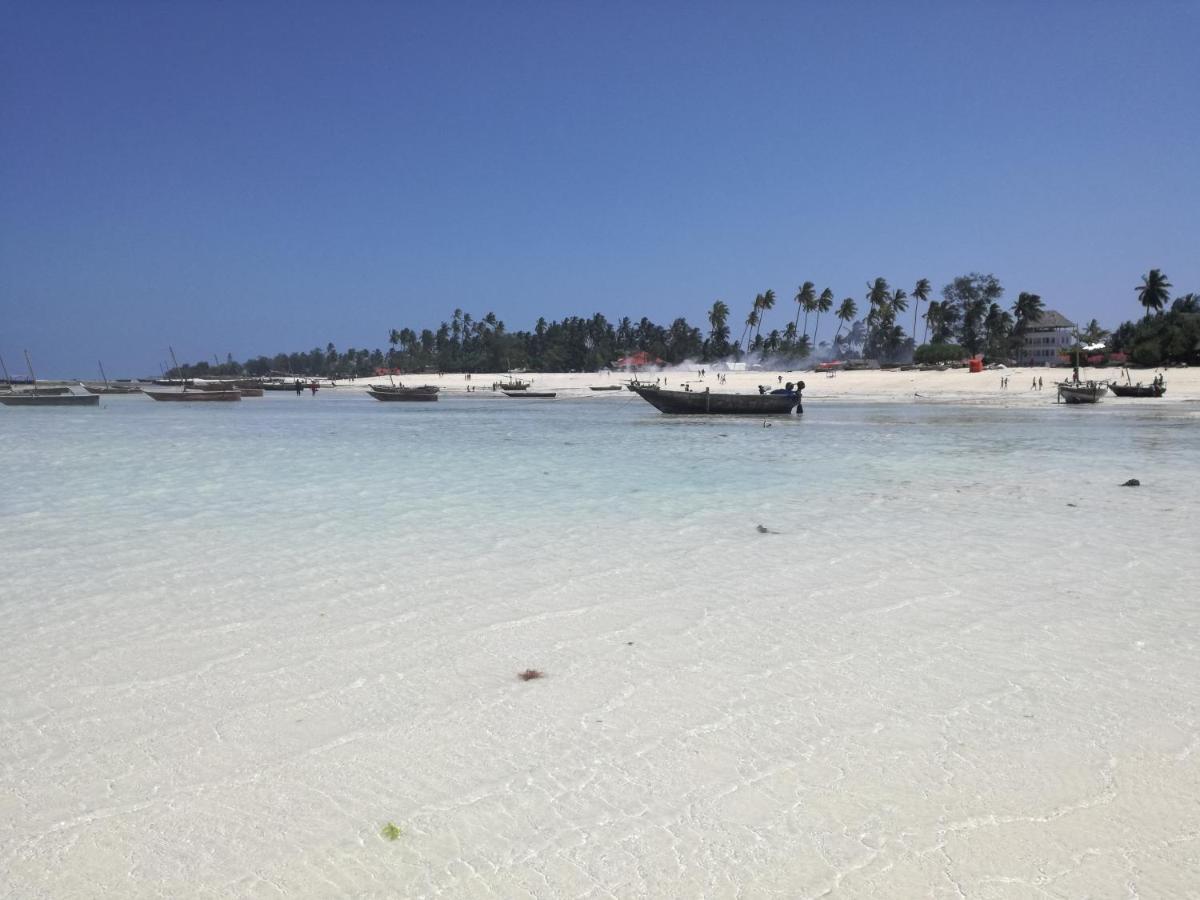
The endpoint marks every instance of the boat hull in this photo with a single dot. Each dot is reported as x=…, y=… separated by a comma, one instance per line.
x=605, y=387
x=111, y=389
x=42, y=391
x=531, y=395
x=407, y=395
x=1081, y=393
x=32, y=399
x=1138, y=390
x=194, y=396
x=707, y=403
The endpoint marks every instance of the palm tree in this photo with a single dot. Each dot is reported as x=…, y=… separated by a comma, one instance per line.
x=766, y=302
x=920, y=295
x=877, y=296
x=751, y=321
x=1027, y=309
x=1093, y=333
x=1154, y=291
x=845, y=313
x=823, y=304
x=804, y=300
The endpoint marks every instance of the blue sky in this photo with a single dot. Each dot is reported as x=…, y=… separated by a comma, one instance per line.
x=253, y=177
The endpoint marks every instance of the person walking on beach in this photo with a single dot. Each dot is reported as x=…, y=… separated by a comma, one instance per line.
x=1039, y=382
x=299, y=388
x=313, y=387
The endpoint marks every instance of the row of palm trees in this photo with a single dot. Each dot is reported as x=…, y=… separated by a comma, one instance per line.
x=884, y=304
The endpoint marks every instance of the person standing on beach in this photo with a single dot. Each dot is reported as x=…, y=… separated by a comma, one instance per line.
x=299, y=388
x=1039, y=382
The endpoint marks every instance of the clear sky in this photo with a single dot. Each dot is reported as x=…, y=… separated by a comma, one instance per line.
x=254, y=177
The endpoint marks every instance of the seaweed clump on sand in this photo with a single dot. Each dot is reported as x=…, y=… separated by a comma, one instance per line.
x=531, y=674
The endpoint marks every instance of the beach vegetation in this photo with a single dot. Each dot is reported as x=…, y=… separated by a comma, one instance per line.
x=932, y=354
x=390, y=832
x=969, y=315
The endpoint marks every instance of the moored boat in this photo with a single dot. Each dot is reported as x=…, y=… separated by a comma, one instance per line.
x=1082, y=391
x=423, y=394
x=109, y=387
x=193, y=396
x=1138, y=390
x=531, y=395
x=29, y=398
x=44, y=396
x=604, y=387
x=708, y=403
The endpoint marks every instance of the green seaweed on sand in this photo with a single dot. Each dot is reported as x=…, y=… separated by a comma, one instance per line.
x=391, y=831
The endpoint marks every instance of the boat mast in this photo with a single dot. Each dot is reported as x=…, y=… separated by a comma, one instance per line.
x=177, y=369
x=31, y=375
x=102, y=375
x=7, y=377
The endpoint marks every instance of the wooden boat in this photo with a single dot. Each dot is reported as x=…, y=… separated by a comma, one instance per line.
x=707, y=403
x=44, y=396
x=1138, y=390
x=604, y=387
x=407, y=395
x=250, y=391
x=1081, y=392
x=193, y=395
x=42, y=391
x=31, y=398
x=281, y=385
x=515, y=384
x=401, y=389
x=531, y=395
x=109, y=387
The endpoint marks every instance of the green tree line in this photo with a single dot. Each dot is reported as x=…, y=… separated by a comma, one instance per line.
x=969, y=318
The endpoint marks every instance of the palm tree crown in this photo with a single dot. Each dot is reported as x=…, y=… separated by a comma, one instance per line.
x=920, y=295
x=804, y=299
x=1154, y=291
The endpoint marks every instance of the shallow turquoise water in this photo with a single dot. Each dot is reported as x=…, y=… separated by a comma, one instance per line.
x=228, y=623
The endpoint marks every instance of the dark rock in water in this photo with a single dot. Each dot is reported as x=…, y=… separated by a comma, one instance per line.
x=763, y=529
x=1132, y=482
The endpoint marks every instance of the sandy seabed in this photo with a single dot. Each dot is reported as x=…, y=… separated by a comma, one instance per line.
x=962, y=661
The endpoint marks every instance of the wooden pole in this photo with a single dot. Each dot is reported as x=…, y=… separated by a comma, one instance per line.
x=177, y=369
x=29, y=363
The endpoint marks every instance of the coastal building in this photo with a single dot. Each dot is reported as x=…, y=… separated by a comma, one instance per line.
x=1047, y=338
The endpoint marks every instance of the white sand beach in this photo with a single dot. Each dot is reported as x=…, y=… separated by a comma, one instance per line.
x=877, y=386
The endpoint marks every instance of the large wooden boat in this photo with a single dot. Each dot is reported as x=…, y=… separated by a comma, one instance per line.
x=109, y=387
x=531, y=395
x=1082, y=391
x=604, y=387
x=193, y=396
x=36, y=396
x=31, y=398
x=708, y=403
x=42, y=391
x=1138, y=390
x=423, y=394
x=514, y=384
